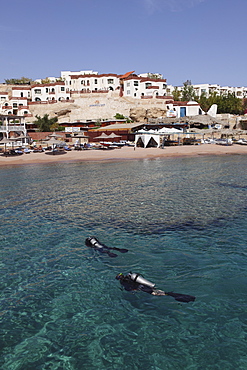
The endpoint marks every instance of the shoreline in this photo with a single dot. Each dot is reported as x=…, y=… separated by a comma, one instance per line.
x=123, y=154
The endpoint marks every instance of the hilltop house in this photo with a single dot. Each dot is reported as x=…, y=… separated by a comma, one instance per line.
x=51, y=91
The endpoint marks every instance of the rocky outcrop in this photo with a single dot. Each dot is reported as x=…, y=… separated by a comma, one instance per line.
x=138, y=114
x=96, y=106
x=63, y=112
x=143, y=114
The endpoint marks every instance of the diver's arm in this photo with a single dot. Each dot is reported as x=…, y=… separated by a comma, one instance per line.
x=158, y=292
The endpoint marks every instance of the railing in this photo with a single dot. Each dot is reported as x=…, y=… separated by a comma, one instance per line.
x=43, y=102
x=100, y=91
x=52, y=101
x=11, y=128
x=67, y=101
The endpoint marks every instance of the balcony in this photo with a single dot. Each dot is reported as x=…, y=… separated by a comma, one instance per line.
x=11, y=127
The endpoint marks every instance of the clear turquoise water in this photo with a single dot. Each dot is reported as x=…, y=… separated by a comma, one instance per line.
x=184, y=221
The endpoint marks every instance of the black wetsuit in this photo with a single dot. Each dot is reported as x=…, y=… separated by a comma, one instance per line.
x=130, y=285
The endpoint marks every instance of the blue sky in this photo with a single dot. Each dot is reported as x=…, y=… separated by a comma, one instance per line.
x=199, y=40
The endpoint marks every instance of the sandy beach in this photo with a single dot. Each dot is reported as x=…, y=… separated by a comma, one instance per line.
x=125, y=153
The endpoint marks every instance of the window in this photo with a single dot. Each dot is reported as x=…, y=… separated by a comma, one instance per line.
x=110, y=81
x=128, y=92
x=46, y=90
x=62, y=88
x=14, y=105
x=95, y=81
x=37, y=91
x=164, y=86
x=147, y=85
x=21, y=94
x=136, y=83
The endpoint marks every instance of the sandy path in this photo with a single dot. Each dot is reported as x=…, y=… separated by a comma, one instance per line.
x=125, y=153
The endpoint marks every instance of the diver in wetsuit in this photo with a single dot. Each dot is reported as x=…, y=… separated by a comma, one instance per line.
x=135, y=282
x=94, y=243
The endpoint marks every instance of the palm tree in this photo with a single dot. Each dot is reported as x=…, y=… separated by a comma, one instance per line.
x=46, y=124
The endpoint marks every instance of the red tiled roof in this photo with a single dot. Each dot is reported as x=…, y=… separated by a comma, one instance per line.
x=49, y=84
x=127, y=74
x=145, y=79
x=74, y=77
x=21, y=88
x=183, y=103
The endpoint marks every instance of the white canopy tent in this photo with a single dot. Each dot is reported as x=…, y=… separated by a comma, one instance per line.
x=154, y=138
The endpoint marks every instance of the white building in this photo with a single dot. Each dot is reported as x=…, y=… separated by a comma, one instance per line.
x=14, y=106
x=142, y=87
x=3, y=96
x=183, y=109
x=53, y=91
x=129, y=85
x=21, y=92
x=11, y=125
x=92, y=82
x=207, y=89
x=66, y=74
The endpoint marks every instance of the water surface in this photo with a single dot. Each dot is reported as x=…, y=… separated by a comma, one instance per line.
x=184, y=223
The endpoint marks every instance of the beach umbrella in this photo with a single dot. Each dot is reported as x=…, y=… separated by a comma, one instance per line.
x=13, y=139
x=54, y=135
x=5, y=141
x=22, y=137
x=81, y=136
x=53, y=142
x=102, y=136
x=113, y=136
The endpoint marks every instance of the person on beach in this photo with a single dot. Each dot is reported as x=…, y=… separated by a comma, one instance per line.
x=135, y=282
